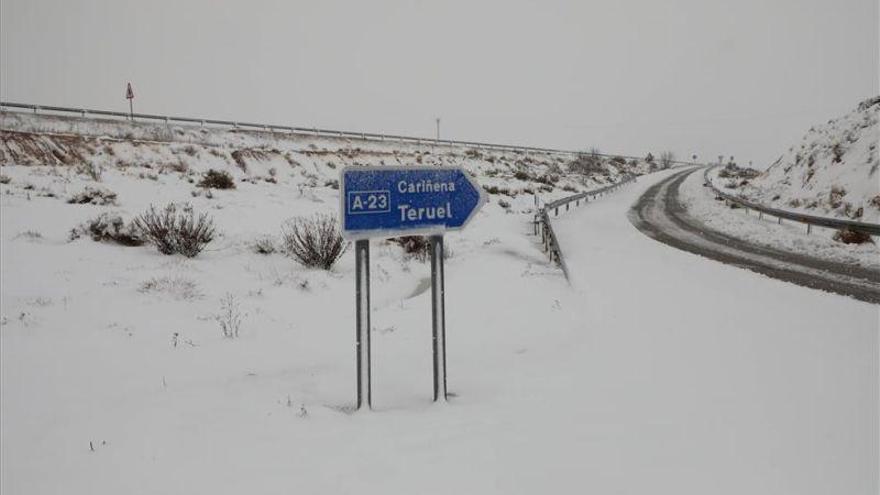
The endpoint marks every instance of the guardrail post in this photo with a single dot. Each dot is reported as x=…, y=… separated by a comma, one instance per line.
x=809, y=228
x=779, y=220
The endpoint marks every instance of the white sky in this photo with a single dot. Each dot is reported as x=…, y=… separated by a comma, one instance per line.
x=744, y=77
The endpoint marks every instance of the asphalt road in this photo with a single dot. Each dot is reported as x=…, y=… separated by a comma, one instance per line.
x=660, y=215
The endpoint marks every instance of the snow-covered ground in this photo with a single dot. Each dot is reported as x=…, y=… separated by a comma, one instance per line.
x=833, y=171
x=658, y=371
x=789, y=236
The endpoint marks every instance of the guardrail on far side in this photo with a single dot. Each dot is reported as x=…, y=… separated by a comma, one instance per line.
x=810, y=220
x=300, y=130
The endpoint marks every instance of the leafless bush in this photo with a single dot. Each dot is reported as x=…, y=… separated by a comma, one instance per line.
x=107, y=227
x=313, y=241
x=586, y=164
x=176, y=232
x=94, y=196
x=177, y=287
x=667, y=158
x=414, y=245
x=230, y=317
x=217, y=179
x=29, y=235
x=522, y=175
x=91, y=170
x=5, y=179
x=835, y=196
x=848, y=236
x=264, y=245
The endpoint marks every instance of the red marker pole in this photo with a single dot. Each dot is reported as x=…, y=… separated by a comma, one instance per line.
x=129, y=95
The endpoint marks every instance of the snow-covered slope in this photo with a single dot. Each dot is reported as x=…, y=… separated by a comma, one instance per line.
x=833, y=171
x=185, y=152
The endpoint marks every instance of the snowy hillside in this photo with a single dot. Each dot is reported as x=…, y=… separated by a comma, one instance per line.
x=185, y=152
x=833, y=171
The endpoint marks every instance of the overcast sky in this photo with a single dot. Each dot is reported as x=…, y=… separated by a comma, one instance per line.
x=744, y=78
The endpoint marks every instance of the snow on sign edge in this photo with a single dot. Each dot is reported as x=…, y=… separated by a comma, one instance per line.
x=357, y=235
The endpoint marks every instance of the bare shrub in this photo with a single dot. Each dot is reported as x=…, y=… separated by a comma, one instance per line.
x=29, y=235
x=90, y=170
x=497, y=190
x=835, y=196
x=848, y=236
x=264, y=245
x=5, y=179
x=107, y=227
x=94, y=196
x=414, y=245
x=217, y=179
x=230, y=317
x=667, y=158
x=313, y=241
x=522, y=175
x=177, y=287
x=586, y=164
x=176, y=231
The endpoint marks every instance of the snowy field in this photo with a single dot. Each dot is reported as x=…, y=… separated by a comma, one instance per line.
x=656, y=372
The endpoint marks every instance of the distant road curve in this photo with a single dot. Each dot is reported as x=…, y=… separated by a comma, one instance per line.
x=659, y=214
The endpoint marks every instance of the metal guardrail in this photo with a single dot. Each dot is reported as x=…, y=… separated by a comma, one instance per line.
x=810, y=220
x=307, y=131
x=544, y=226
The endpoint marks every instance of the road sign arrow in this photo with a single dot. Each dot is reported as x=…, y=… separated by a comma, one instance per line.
x=394, y=201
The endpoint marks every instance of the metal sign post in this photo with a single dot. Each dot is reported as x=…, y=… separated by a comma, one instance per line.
x=362, y=337
x=383, y=202
x=438, y=313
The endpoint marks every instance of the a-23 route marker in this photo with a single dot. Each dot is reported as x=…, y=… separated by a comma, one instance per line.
x=383, y=202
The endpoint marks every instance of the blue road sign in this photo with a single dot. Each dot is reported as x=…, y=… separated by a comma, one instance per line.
x=394, y=201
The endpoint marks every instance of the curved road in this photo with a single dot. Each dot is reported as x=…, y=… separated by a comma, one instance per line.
x=660, y=215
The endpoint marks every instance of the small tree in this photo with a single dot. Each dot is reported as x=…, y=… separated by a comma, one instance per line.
x=667, y=158
x=313, y=241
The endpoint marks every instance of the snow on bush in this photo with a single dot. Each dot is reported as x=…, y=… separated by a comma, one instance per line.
x=848, y=236
x=264, y=245
x=94, y=196
x=230, y=317
x=314, y=241
x=217, y=179
x=176, y=231
x=178, y=288
x=108, y=227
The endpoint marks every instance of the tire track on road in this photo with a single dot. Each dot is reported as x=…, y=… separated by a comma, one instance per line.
x=659, y=214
